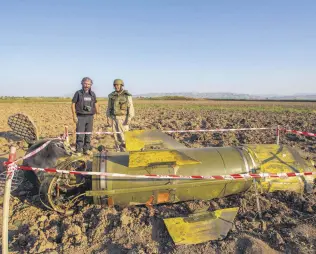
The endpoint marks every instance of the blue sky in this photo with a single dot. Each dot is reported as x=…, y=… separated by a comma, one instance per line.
x=256, y=47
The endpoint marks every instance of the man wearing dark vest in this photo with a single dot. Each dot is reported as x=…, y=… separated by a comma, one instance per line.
x=120, y=112
x=84, y=107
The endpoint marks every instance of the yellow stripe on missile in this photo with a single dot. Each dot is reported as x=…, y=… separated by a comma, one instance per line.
x=159, y=157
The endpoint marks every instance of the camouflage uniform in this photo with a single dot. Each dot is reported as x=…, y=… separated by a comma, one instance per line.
x=121, y=111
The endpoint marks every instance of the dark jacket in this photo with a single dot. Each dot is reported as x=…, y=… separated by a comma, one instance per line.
x=85, y=102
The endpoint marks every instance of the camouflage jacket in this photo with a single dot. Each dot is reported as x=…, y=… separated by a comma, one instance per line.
x=120, y=104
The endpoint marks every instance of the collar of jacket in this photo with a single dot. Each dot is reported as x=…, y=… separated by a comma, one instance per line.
x=119, y=93
x=82, y=91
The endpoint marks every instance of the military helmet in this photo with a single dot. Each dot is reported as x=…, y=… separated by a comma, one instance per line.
x=118, y=82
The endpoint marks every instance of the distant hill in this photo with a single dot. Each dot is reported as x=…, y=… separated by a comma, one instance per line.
x=230, y=96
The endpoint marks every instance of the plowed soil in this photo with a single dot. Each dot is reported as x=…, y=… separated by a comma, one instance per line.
x=289, y=219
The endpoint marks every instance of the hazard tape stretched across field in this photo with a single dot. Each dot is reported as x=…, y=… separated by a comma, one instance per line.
x=180, y=131
x=170, y=131
x=37, y=150
x=174, y=177
x=97, y=132
x=107, y=132
x=305, y=133
x=217, y=130
x=13, y=165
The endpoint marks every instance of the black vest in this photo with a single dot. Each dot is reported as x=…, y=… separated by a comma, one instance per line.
x=86, y=103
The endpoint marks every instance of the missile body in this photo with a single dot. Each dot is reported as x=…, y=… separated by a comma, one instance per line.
x=192, y=161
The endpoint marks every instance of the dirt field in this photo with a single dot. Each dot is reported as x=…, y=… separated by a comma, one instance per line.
x=289, y=219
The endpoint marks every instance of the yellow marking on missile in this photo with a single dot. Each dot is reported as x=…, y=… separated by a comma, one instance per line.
x=201, y=227
x=278, y=159
x=135, y=143
x=158, y=157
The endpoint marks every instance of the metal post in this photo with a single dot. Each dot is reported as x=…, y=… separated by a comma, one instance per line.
x=6, y=203
x=278, y=135
x=257, y=199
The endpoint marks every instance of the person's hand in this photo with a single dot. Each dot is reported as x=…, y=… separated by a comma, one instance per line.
x=127, y=121
x=109, y=120
x=75, y=119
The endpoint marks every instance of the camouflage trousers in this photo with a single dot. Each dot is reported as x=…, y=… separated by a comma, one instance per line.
x=118, y=125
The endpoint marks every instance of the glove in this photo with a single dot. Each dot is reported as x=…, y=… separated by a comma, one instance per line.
x=110, y=121
x=75, y=119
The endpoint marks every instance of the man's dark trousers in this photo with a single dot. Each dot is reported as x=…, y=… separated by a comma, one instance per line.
x=84, y=124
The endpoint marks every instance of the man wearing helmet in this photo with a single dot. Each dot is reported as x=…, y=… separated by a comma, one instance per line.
x=120, y=112
x=84, y=107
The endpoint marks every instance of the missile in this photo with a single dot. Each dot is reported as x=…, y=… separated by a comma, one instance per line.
x=172, y=158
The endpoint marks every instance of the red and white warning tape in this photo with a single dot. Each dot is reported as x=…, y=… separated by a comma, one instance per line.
x=170, y=131
x=217, y=130
x=179, y=177
x=11, y=170
x=12, y=166
x=37, y=150
x=97, y=132
x=183, y=131
x=210, y=130
x=305, y=133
